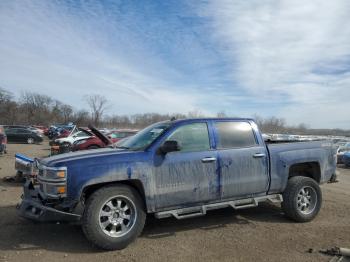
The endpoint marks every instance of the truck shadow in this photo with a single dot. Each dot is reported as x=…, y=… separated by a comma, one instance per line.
x=19, y=234
x=342, y=166
x=221, y=218
x=10, y=181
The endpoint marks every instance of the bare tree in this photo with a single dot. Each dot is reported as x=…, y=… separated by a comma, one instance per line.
x=8, y=107
x=33, y=108
x=98, y=104
x=67, y=112
x=81, y=118
x=5, y=96
x=221, y=114
x=36, y=107
x=195, y=114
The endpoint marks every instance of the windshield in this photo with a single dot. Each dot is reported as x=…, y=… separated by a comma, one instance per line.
x=145, y=137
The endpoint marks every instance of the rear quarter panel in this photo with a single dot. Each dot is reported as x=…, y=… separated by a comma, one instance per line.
x=283, y=156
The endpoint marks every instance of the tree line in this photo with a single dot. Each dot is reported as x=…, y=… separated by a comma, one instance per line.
x=37, y=109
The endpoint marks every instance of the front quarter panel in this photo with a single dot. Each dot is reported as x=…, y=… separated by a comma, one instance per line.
x=107, y=169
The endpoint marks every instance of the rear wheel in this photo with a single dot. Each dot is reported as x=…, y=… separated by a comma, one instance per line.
x=114, y=216
x=302, y=199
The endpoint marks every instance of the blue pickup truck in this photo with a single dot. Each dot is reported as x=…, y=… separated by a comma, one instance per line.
x=179, y=168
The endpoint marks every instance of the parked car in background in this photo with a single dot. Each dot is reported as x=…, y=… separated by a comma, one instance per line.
x=346, y=159
x=44, y=129
x=14, y=126
x=3, y=140
x=22, y=135
x=117, y=135
x=92, y=142
x=98, y=140
x=341, y=151
x=79, y=135
x=59, y=131
x=36, y=130
x=120, y=142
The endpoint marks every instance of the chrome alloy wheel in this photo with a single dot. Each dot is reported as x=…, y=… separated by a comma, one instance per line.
x=117, y=216
x=306, y=200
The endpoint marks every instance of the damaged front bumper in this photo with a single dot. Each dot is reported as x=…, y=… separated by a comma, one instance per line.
x=32, y=207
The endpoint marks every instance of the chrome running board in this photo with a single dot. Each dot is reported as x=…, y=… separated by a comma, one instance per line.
x=202, y=210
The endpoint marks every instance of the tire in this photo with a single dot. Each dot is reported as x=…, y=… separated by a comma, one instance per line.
x=30, y=140
x=103, y=228
x=302, y=199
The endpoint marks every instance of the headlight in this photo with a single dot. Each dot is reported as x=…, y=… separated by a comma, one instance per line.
x=53, y=181
x=54, y=174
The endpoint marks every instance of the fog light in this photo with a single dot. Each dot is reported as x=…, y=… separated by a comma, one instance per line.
x=61, y=190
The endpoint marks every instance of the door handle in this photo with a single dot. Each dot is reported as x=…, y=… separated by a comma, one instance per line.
x=208, y=159
x=258, y=155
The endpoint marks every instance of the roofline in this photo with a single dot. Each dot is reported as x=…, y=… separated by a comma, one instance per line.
x=214, y=118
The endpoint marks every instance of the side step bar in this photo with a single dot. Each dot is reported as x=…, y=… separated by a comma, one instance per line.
x=202, y=210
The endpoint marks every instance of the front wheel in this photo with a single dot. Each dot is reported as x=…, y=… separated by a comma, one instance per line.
x=30, y=140
x=302, y=199
x=114, y=216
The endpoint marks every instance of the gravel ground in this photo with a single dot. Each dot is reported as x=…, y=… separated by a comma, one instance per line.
x=256, y=234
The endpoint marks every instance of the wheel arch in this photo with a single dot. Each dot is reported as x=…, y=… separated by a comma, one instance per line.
x=136, y=184
x=310, y=169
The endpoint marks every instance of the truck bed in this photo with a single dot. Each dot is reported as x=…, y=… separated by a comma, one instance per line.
x=284, y=155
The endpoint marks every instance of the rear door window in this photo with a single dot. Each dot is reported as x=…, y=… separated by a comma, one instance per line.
x=234, y=135
x=192, y=137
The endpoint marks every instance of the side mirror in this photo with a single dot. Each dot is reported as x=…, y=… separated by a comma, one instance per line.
x=169, y=146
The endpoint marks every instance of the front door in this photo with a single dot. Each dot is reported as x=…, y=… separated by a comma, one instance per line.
x=243, y=162
x=187, y=176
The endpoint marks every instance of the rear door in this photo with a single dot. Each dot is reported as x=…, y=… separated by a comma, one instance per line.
x=23, y=134
x=243, y=162
x=187, y=176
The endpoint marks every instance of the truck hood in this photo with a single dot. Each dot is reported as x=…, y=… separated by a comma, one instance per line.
x=89, y=156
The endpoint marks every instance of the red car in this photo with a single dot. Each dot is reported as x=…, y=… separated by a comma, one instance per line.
x=89, y=143
x=99, y=140
x=43, y=128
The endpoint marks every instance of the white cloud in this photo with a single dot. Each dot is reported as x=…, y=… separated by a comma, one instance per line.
x=46, y=48
x=300, y=49
x=287, y=58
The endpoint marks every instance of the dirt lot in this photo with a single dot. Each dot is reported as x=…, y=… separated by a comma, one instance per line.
x=257, y=234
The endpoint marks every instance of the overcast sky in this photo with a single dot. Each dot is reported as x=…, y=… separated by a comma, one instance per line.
x=289, y=59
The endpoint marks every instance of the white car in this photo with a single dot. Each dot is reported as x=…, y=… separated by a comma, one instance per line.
x=81, y=134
